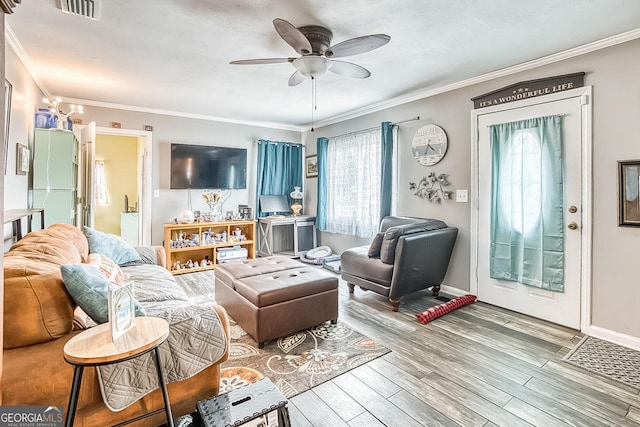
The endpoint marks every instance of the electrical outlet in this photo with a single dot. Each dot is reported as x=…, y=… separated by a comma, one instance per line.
x=156, y=193
x=462, y=196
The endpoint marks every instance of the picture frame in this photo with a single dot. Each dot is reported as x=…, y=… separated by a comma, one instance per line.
x=122, y=311
x=629, y=193
x=8, y=89
x=23, y=157
x=311, y=166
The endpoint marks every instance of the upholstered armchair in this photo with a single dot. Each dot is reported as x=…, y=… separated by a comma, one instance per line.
x=407, y=255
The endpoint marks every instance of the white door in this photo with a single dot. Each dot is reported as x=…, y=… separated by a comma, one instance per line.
x=559, y=307
x=86, y=174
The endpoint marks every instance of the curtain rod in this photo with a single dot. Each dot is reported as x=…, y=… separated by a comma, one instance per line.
x=376, y=127
x=256, y=141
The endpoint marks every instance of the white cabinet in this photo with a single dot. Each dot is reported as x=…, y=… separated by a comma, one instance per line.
x=129, y=227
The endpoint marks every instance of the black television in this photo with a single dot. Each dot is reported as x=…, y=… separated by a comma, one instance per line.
x=208, y=167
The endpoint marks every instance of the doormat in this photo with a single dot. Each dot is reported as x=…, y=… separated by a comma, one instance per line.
x=439, y=310
x=608, y=359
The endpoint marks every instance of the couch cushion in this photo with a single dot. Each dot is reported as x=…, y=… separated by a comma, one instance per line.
x=108, y=267
x=110, y=245
x=154, y=283
x=89, y=288
x=391, y=236
x=355, y=261
x=37, y=307
x=376, y=245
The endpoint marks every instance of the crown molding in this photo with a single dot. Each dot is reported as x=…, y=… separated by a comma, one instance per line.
x=426, y=93
x=12, y=41
x=101, y=104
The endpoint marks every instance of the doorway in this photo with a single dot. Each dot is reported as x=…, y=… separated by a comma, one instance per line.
x=570, y=306
x=114, y=163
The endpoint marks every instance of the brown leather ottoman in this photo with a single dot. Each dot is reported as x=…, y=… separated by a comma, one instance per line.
x=276, y=296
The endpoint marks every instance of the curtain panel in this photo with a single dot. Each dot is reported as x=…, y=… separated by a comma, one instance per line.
x=279, y=169
x=527, y=193
x=321, y=210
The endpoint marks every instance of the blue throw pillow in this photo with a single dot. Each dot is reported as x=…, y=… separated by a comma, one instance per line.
x=88, y=287
x=111, y=246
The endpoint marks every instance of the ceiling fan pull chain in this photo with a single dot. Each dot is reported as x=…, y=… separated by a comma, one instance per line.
x=313, y=99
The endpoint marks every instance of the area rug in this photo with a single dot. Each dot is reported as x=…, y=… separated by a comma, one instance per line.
x=611, y=360
x=440, y=310
x=294, y=363
x=299, y=361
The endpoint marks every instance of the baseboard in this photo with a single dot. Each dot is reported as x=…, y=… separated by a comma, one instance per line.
x=450, y=290
x=615, y=337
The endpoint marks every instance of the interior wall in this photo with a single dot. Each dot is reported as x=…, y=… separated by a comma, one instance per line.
x=616, y=107
x=120, y=155
x=168, y=129
x=25, y=99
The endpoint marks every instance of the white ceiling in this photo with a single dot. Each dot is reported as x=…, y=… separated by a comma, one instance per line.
x=174, y=55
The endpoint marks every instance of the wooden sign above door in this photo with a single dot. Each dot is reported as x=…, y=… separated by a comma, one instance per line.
x=529, y=89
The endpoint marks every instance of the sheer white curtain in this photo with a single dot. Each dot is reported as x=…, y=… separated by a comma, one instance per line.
x=101, y=196
x=354, y=183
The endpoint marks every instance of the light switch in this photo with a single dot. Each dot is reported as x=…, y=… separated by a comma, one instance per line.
x=462, y=196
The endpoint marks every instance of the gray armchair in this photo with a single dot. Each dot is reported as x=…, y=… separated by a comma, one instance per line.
x=407, y=255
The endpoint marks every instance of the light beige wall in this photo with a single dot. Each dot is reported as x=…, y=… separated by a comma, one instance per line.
x=613, y=73
x=168, y=129
x=120, y=155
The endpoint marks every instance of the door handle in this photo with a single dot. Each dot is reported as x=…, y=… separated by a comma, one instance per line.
x=572, y=226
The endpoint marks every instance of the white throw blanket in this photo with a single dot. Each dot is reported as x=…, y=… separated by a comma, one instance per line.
x=196, y=341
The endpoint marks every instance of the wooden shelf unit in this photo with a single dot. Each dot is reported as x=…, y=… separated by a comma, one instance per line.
x=198, y=253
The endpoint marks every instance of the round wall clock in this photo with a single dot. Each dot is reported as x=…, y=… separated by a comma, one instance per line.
x=429, y=145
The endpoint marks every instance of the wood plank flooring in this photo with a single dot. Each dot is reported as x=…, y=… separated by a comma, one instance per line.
x=477, y=366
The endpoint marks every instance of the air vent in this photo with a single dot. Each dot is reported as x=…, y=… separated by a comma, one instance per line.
x=87, y=8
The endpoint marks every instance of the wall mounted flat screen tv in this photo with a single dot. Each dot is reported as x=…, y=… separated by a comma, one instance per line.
x=208, y=167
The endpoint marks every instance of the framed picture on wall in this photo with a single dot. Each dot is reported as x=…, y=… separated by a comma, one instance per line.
x=7, y=119
x=628, y=193
x=22, y=159
x=311, y=166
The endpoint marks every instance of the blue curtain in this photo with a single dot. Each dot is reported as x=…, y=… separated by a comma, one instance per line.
x=279, y=169
x=527, y=215
x=321, y=212
x=387, y=169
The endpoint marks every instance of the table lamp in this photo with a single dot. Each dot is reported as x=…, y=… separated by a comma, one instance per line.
x=296, y=195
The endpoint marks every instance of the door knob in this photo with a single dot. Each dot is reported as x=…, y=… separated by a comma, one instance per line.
x=573, y=209
x=572, y=226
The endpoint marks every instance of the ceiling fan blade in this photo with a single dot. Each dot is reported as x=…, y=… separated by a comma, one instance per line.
x=261, y=61
x=349, y=69
x=292, y=36
x=357, y=45
x=296, y=78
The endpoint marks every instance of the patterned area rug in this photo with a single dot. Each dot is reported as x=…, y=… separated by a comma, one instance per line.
x=297, y=362
x=608, y=359
x=294, y=363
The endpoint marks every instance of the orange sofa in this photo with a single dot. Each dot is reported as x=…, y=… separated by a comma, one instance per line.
x=39, y=320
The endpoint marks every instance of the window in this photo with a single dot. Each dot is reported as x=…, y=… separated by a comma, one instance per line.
x=354, y=183
x=100, y=184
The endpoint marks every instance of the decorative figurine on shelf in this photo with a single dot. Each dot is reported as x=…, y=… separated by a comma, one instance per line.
x=296, y=195
x=186, y=217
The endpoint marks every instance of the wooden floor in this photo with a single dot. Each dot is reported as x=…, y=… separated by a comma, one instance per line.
x=477, y=366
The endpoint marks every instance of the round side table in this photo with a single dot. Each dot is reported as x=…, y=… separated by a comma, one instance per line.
x=95, y=347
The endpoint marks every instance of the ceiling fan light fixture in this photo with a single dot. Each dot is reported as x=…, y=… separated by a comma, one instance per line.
x=311, y=66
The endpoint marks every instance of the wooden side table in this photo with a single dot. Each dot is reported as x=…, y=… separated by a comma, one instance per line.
x=95, y=347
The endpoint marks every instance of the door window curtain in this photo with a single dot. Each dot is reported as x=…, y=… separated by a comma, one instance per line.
x=279, y=169
x=355, y=181
x=527, y=215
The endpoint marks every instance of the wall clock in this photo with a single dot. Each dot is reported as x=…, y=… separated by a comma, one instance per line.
x=429, y=145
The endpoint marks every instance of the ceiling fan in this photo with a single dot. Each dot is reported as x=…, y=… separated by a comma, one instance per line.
x=313, y=42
